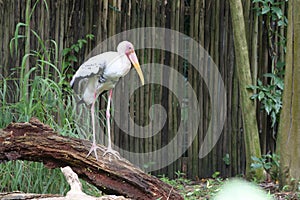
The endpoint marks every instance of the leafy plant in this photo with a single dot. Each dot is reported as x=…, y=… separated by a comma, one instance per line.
x=269, y=162
x=269, y=95
x=39, y=91
x=203, y=189
x=226, y=159
x=70, y=54
x=272, y=9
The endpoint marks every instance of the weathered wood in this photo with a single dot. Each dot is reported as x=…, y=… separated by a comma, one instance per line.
x=35, y=141
x=20, y=195
x=28, y=196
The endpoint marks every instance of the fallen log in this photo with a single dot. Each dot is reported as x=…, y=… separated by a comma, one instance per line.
x=35, y=141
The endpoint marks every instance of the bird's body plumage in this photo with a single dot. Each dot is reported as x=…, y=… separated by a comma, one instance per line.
x=100, y=73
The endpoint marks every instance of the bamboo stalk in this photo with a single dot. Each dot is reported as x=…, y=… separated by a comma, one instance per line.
x=24, y=84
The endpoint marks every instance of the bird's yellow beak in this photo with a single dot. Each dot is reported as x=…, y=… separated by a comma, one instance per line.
x=133, y=58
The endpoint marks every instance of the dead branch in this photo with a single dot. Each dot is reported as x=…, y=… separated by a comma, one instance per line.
x=35, y=141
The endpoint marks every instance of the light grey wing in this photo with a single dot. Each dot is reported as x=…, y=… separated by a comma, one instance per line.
x=93, y=67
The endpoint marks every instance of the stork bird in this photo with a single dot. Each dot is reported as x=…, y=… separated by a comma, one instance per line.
x=101, y=73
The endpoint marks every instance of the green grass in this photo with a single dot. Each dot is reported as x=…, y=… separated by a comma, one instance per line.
x=53, y=106
x=40, y=90
x=31, y=177
x=46, y=102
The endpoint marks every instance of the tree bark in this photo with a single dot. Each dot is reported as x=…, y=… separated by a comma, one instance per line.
x=289, y=127
x=35, y=141
x=252, y=145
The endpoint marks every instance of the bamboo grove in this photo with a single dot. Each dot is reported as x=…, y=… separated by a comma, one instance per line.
x=50, y=39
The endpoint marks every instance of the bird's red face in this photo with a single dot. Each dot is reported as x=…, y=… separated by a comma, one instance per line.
x=134, y=60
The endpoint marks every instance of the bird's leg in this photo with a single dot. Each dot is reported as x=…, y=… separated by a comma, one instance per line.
x=109, y=148
x=94, y=145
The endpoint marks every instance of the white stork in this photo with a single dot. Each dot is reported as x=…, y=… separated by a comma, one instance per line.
x=101, y=73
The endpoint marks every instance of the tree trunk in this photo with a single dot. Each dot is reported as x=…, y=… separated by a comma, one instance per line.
x=289, y=127
x=35, y=141
x=248, y=107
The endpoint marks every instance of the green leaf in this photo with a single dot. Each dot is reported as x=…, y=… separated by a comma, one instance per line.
x=273, y=118
x=277, y=11
x=216, y=174
x=80, y=45
x=226, y=159
x=280, y=84
x=277, y=108
x=261, y=95
x=66, y=51
x=90, y=36
x=268, y=108
x=269, y=75
x=267, y=166
x=281, y=23
x=76, y=49
x=271, y=97
x=256, y=165
x=81, y=42
x=259, y=82
x=271, y=1
x=265, y=9
x=252, y=87
x=254, y=158
x=72, y=58
x=280, y=64
x=254, y=96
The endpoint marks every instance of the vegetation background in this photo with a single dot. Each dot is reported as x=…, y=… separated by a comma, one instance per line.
x=43, y=42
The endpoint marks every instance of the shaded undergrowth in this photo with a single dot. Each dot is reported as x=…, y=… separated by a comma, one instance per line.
x=39, y=87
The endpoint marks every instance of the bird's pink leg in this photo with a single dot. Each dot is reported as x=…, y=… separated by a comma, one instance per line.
x=109, y=148
x=94, y=145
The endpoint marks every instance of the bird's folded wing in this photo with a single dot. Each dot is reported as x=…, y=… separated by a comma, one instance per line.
x=93, y=66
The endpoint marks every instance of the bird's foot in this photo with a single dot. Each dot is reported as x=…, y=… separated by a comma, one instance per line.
x=94, y=148
x=112, y=152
